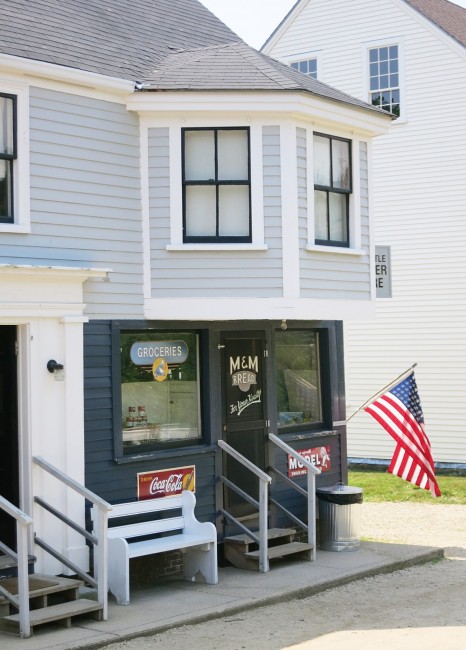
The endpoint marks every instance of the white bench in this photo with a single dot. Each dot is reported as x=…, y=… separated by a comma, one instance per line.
x=197, y=541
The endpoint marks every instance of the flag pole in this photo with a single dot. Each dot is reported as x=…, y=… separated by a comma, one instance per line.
x=380, y=392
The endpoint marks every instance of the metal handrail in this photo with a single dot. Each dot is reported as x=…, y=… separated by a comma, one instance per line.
x=312, y=471
x=100, y=543
x=264, y=480
x=23, y=521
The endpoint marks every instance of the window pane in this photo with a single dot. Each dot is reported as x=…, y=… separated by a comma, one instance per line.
x=321, y=161
x=159, y=389
x=233, y=210
x=373, y=55
x=5, y=187
x=338, y=221
x=393, y=51
x=233, y=156
x=6, y=126
x=298, y=378
x=320, y=215
x=199, y=151
x=341, y=164
x=303, y=67
x=201, y=219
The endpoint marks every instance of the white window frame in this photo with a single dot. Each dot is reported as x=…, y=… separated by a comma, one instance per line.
x=21, y=174
x=176, y=190
x=371, y=45
x=354, y=217
x=305, y=56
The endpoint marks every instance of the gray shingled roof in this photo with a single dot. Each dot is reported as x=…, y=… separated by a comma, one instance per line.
x=446, y=15
x=117, y=38
x=236, y=66
x=168, y=44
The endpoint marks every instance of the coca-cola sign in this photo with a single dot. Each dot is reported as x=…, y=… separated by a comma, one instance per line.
x=166, y=482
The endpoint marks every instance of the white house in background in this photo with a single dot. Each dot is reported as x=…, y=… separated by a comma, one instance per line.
x=408, y=56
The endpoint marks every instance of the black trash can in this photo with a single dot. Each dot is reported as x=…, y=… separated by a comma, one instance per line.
x=339, y=517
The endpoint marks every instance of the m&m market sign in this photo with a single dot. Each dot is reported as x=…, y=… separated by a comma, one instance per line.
x=166, y=482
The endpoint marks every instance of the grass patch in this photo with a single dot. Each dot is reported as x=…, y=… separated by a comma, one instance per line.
x=382, y=486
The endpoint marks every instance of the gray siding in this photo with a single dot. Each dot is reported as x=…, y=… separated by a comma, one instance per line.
x=85, y=197
x=330, y=275
x=204, y=274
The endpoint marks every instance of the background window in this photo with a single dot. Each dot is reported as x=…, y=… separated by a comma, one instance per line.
x=307, y=67
x=384, y=78
x=332, y=187
x=216, y=185
x=299, y=398
x=160, y=394
x=7, y=155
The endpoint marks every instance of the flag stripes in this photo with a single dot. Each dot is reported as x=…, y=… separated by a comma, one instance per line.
x=399, y=412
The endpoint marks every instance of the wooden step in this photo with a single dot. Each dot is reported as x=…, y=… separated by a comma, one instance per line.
x=62, y=612
x=44, y=585
x=272, y=533
x=275, y=552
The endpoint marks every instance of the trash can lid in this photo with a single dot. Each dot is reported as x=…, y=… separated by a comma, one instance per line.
x=340, y=494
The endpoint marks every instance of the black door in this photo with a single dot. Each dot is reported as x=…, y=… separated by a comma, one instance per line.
x=9, y=485
x=244, y=413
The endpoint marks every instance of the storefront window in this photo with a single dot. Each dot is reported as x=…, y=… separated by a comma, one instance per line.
x=160, y=394
x=298, y=378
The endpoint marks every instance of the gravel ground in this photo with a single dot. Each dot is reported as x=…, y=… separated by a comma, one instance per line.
x=421, y=607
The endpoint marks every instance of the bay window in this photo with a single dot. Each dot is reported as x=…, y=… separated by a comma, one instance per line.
x=332, y=189
x=216, y=185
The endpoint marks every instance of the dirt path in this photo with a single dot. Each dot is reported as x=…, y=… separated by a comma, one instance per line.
x=422, y=607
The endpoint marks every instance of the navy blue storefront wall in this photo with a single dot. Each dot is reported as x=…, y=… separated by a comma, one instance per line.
x=114, y=476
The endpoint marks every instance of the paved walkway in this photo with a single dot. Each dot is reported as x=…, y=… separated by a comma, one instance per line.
x=176, y=602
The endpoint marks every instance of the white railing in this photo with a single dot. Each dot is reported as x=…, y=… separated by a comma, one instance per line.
x=21, y=557
x=99, y=540
x=261, y=505
x=310, y=494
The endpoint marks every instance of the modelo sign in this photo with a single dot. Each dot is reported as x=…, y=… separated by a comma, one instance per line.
x=144, y=353
x=166, y=482
x=319, y=456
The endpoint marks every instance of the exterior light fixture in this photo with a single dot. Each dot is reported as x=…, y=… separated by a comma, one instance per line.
x=52, y=366
x=284, y=326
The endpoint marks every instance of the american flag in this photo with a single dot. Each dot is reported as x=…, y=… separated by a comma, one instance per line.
x=399, y=411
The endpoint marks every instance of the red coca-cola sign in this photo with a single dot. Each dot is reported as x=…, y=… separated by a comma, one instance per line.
x=166, y=482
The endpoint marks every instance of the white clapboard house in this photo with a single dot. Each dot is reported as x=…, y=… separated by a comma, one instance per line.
x=408, y=56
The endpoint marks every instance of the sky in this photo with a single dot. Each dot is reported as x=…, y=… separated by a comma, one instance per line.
x=255, y=20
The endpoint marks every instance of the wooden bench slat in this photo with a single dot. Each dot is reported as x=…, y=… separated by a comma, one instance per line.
x=148, y=505
x=153, y=527
x=164, y=544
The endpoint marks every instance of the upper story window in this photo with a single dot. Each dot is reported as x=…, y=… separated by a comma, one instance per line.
x=216, y=185
x=384, y=78
x=332, y=189
x=8, y=154
x=307, y=67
